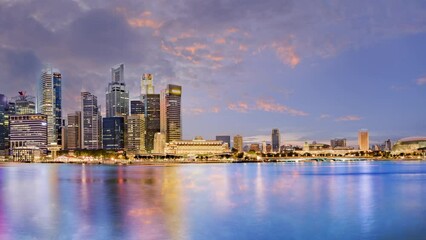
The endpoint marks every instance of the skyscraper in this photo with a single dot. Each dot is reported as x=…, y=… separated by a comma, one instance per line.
x=147, y=85
x=136, y=133
x=49, y=102
x=225, y=139
x=113, y=133
x=238, y=143
x=91, y=125
x=24, y=104
x=159, y=143
x=275, y=140
x=4, y=125
x=117, y=96
x=152, y=118
x=74, y=130
x=363, y=140
x=171, y=119
x=137, y=107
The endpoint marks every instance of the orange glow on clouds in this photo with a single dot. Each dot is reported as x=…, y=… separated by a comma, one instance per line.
x=270, y=106
x=287, y=55
x=349, y=118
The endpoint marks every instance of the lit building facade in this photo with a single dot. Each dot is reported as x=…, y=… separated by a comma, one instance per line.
x=117, y=96
x=275, y=140
x=147, y=84
x=113, y=133
x=137, y=107
x=159, y=143
x=49, y=102
x=197, y=146
x=225, y=139
x=136, y=133
x=91, y=122
x=409, y=145
x=171, y=118
x=363, y=140
x=6, y=109
x=24, y=104
x=152, y=118
x=28, y=130
x=238, y=143
x=74, y=131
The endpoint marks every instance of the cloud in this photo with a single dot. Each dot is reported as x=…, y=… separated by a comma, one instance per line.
x=348, y=118
x=271, y=106
x=241, y=107
x=287, y=54
x=421, y=81
x=324, y=116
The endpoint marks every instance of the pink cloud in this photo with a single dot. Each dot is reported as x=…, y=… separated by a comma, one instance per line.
x=348, y=118
x=287, y=54
x=270, y=106
x=239, y=107
x=421, y=81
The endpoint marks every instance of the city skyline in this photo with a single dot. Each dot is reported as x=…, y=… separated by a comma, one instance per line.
x=309, y=79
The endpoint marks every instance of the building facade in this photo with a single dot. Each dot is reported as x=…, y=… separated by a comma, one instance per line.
x=338, y=143
x=28, y=130
x=49, y=102
x=238, y=143
x=275, y=140
x=24, y=104
x=91, y=122
x=136, y=134
x=6, y=109
x=195, y=147
x=117, y=96
x=171, y=117
x=147, y=84
x=74, y=131
x=152, y=118
x=159, y=143
x=137, y=107
x=363, y=140
x=113, y=133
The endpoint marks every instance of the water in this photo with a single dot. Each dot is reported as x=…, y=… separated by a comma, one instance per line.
x=362, y=200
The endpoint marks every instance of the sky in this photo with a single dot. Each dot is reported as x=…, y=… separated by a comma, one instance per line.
x=317, y=70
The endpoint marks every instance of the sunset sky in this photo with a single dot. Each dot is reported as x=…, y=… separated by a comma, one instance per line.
x=314, y=69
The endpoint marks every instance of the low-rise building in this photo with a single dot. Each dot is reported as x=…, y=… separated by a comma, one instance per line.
x=198, y=146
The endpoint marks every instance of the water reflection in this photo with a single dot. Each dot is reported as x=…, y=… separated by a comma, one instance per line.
x=235, y=201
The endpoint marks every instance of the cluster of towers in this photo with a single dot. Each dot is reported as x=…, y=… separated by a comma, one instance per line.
x=140, y=125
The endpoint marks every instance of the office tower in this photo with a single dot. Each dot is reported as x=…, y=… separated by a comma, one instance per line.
x=91, y=123
x=24, y=104
x=113, y=133
x=137, y=107
x=171, y=119
x=225, y=139
x=49, y=102
x=147, y=84
x=159, y=143
x=117, y=96
x=74, y=130
x=388, y=145
x=64, y=129
x=152, y=118
x=338, y=142
x=275, y=140
x=28, y=130
x=363, y=140
x=238, y=143
x=4, y=125
x=264, y=147
x=136, y=133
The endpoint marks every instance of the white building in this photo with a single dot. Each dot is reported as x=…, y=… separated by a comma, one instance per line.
x=198, y=146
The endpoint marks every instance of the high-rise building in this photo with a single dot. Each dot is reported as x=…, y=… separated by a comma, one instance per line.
x=6, y=109
x=225, y=139
x=171, y=117
x=24, y=104
x=136, y=133
x=147, y=84
x=363, y=140
x=74, y=130
x=113, y=133
x=49, y=102
x=91, y=122
x=28, y=130
x=152, y=118
x=275, y=140
x=159, y=143
x=117, y=96
x=137, y=107
x=238, y=143
x=388, y=145
x=338, y=142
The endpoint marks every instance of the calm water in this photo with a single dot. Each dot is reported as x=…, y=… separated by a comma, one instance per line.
x=366, y=200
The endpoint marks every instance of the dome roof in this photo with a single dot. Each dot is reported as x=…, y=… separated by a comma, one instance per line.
x=412, y=139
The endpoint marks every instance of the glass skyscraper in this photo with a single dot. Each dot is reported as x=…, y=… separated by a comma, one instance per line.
x=152, y=116
x=225, y=139
x=275, y=140
x=171, y=119
x=49, y=102
x=113, y=133
x=117, y=96
x=92, y=127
